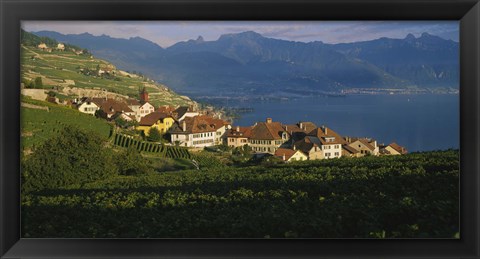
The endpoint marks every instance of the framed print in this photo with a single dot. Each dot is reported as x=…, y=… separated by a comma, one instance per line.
x=240, y=129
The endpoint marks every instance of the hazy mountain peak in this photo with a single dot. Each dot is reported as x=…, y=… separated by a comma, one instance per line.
x=200, y=39
x=410, y=37
x=426, y=34
x=84, y=34
x=244, y=35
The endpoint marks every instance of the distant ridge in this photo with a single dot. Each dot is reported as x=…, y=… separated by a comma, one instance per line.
x=251, y=64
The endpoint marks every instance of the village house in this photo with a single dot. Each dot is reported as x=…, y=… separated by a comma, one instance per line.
x=321, y=143
x=311, y=146
x=141, y=108
x=393, y=149
x=183, y=112
x=110, y=107
x=193, y=132
x=60, y=46
x=348, y=151
x=363, y=145
x=134, y=105
x=289, y=155
x=238, y=136
x=168, y=109
x=162, y=121
x=220, y=126
x=85, y=105
x=268, y=136
x=42, y=46
x=145, y=109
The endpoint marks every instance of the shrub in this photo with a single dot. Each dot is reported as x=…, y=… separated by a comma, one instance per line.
x=73, y=156
x=154, y=135
x=131, y=162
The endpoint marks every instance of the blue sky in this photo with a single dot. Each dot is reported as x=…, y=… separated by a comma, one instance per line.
x=166, y=33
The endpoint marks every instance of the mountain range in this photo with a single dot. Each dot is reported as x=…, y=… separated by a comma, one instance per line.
x=248, y=63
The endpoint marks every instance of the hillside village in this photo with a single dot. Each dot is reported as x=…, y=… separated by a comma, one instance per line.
x=194, y=128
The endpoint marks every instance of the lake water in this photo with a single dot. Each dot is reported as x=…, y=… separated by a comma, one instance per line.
x=417, y=122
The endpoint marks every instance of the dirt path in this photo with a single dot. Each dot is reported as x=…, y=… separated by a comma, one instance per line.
x=33, y=106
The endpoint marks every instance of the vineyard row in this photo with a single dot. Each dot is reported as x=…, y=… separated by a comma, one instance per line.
x=150, y=147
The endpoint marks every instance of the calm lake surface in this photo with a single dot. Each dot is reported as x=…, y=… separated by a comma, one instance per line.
x=418, y=122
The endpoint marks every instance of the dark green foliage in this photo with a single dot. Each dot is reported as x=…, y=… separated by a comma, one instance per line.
x=410, y=196
x=101, y=114
x=73, y=156
x=154, y=135
x=51, y=93
x=123, y=123
x=38, y=82
x=131, y=162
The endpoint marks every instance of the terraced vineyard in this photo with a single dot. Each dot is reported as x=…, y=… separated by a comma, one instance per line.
x=42, y=120
x=125, y=141
x=66, y=70
x=410, y=196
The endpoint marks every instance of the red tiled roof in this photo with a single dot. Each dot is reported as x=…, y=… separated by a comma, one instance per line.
x=305, y=145
x=152, y=118
x=244, y=132
x=193, y=125
x=398, y=148
x=133, y=102
x=307, y=126
x=350, y=149
x=215, y=123
x=290, y=128
x=267, y=131
x=111, y=106
x=166, y=109
x=325, y=132
x=367, y=143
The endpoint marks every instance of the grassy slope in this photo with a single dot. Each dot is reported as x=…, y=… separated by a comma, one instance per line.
x=56, y=66
x=38, y=125
x=415, y=195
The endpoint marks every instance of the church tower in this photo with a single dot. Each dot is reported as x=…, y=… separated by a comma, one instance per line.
x=143, y=95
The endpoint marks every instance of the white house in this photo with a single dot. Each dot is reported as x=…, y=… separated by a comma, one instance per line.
x=220, y=127
x=193, y=132
x=144, y=110
x=88, y=107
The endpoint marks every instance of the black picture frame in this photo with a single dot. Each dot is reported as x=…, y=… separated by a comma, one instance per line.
x=12, y=12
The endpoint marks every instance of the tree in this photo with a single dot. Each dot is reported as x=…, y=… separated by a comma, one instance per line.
x=131, y=162
x=38, y=82
x=73, y=156
x=154, y=135
x=51, y=94
x=101, y=114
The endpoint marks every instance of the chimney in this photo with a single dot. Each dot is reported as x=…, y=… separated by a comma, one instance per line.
x=294, y=148
x=238, y=128
x=286, y=128
x=283, y=157
x=184, y=126
x=269, y=120
x=301, y=125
